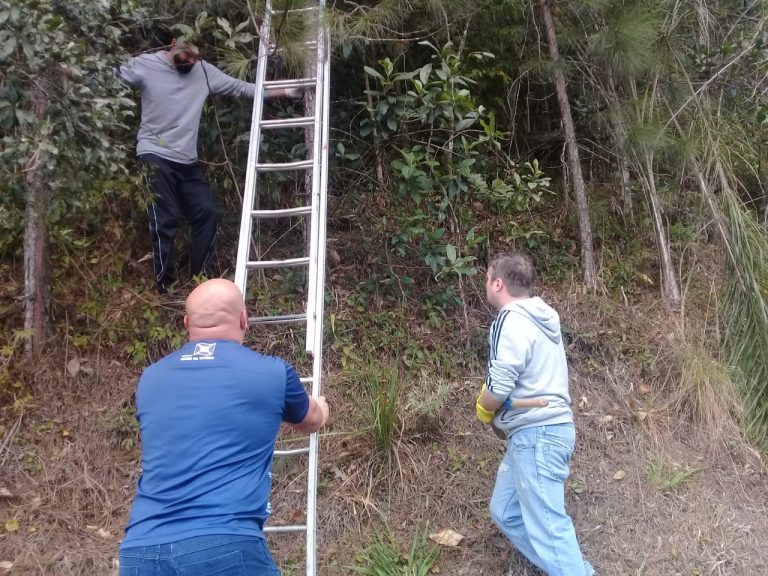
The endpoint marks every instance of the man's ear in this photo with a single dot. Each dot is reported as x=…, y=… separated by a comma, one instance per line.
x=186, y=322
x=243, y=320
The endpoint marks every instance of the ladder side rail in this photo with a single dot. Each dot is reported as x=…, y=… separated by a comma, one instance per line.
x=322, y=229
x=317, y=360
x=315, y=222
x=250, y=190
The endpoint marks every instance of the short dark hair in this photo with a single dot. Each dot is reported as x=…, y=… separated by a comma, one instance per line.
x=516, y=271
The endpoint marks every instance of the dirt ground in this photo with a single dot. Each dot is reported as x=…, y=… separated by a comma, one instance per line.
x=649, y=494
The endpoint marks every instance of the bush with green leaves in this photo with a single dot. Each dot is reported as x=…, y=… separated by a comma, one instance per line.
x=447, y=155
x=63, y=111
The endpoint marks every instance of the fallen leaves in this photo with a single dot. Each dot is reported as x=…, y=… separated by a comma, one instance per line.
x=298, y=517
x=620, y=475
x=6, y=565
x=578, y=486
x=11, y=525
x=446, y=537
x=100, y=532
x=77, y=365
x=339, y=474
x=73, y=367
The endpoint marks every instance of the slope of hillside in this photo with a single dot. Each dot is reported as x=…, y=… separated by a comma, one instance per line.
x=650, y=493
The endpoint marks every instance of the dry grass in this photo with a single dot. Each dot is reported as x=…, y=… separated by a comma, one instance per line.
x=706, y=393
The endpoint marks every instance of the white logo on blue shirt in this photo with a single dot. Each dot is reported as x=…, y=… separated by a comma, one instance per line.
x=202, y=351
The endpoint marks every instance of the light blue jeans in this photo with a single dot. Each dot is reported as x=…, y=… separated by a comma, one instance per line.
x=201, y=556
x=528, y=502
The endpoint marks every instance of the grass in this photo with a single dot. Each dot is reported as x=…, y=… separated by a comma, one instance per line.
x=124, y=426
x=426, y=403
x=383, y=415
x=706, y=394
x=667, y=476
x=384, y=557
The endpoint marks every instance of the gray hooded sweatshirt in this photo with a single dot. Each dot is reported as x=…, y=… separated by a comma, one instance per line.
x=527, y=360
x=171, y=103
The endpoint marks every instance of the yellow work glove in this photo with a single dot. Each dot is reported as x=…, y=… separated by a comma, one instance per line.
x=485, y=416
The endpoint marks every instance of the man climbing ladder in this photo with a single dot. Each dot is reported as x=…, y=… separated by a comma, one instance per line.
x=174, y=86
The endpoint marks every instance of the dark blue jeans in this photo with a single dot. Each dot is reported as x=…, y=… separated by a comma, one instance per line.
x=201, y=556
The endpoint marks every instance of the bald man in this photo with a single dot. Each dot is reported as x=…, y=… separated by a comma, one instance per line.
x=209, y=415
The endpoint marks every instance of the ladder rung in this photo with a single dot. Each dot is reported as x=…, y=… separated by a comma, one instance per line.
x=284, y=319
x=292, y=452
x=300, y=122
x=291, y=83
x=282, y=213
x=287, y=263
x=288, y=528
x=311, y=44
x=293, y=10
x=285, y=166
x=306, y=380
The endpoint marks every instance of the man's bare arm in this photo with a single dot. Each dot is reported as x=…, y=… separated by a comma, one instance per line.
x=316, y=417
x=489, y=402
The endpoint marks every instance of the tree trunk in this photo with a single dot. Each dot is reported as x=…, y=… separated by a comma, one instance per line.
x=36, y=270
x=378, y=164
x=626, y=191
x=588, y=275
x=717, y=213
x=620, y=138
x=670, y=287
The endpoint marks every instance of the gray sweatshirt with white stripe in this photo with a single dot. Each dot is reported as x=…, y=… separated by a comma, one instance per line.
x=171, y=103
x=527, y=360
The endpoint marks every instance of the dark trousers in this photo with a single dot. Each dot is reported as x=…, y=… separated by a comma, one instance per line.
x=178, y=189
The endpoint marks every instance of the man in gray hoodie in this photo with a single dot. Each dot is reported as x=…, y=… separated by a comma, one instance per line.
x=174, y=86
x=527, y=365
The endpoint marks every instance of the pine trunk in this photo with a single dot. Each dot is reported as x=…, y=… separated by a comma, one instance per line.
x=670, y=287
x=588, y=275
x=626, y=191
x=36, y=268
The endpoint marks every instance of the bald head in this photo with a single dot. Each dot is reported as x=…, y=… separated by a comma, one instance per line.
x=215, y=309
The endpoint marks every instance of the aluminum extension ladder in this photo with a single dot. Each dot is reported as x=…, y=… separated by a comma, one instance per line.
x=315, y=210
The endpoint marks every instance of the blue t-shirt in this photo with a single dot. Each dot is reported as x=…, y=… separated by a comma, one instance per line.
x=209, y=415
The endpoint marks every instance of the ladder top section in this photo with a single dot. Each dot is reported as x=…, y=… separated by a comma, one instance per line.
x=281, y=213
x=296, y=10
x=300, y=122
x=283, y=319
x=284, y=166
x=311, y=44
x=291, y=83
x=287, y=263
